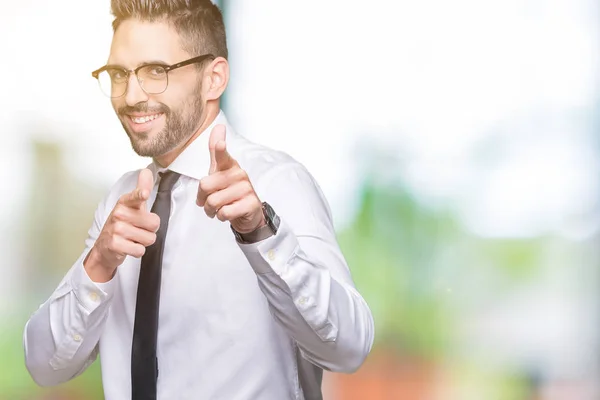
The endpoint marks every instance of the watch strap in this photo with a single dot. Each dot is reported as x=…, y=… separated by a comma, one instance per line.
x=264, y=232
x=255, y=236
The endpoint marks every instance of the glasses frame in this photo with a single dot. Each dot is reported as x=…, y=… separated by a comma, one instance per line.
x=166, y=67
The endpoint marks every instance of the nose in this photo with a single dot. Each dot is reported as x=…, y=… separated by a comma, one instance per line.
x=135, y=94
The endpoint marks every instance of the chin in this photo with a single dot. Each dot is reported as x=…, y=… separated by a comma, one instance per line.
x=151, y=148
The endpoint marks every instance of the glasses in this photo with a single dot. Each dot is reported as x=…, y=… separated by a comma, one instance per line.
x=153, y=78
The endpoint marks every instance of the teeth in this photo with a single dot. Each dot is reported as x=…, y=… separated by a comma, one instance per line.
x=141, y=120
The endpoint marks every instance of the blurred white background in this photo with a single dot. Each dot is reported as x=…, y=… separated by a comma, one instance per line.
x=488, y=108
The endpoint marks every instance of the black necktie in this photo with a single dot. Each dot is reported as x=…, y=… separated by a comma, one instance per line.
x=144, y=364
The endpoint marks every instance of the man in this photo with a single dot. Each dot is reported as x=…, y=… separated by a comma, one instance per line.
x=248, y=295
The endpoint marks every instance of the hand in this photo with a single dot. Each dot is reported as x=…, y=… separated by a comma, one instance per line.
x=227, y=192
x=127, y=231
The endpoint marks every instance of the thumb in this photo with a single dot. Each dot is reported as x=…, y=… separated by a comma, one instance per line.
x=145, y=183
x=216, y=135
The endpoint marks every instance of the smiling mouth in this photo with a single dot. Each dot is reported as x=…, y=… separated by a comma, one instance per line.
x=144, y=119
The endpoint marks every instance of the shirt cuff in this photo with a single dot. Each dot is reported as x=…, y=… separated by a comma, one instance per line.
x=89, y=293
x=272, y=254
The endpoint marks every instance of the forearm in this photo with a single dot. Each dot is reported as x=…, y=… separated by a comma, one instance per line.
x=328, y=318
x=96, y=269
x=61, y=337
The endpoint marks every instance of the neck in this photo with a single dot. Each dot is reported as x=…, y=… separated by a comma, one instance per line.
x=211, y=112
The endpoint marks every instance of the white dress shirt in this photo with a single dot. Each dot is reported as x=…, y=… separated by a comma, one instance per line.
x=237, y=321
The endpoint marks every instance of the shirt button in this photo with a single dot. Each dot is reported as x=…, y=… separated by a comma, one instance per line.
x=302, y=300
x=94, y=296
x=77, y=337
x=271, y=254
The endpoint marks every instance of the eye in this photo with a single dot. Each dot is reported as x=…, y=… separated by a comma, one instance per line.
x=157, y=70
x=117, y=74
x=154, y=71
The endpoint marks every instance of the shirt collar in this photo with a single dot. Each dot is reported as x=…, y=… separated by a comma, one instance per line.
x=194, y=161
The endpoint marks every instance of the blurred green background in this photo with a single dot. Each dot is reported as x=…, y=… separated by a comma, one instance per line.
x=457, y=145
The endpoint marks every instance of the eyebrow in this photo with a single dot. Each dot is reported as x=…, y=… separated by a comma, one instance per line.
x=114, y=66
x=161, y=62
x=151, y=62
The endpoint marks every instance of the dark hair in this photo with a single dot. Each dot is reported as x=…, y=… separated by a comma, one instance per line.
x=198, y=22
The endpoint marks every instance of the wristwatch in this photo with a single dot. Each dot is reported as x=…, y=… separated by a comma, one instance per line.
x=264, y=232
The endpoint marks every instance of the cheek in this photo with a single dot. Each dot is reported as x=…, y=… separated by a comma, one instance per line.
x=116, y=104
x=176, y=91
x=185, y=86
x=179, y=100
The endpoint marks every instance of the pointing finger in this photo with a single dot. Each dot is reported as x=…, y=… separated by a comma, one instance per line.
x=137, y=198
x=224, y=161
x=220, y=159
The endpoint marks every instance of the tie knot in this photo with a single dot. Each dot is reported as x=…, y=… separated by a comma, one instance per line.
x=167, y=180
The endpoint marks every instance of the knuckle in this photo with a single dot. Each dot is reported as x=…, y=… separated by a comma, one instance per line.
x=204, y=185
x=119, y=212
x=111, y=244
x=138, y=251
x=118, y=227
x=153, y=222
x=211, y=202
x=247, y=186
x=239, y=174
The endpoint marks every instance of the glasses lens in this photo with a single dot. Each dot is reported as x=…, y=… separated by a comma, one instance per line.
x=113, y=82
x=153, y=79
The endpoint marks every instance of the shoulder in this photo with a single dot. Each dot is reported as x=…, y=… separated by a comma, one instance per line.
x=264, y=165
x=283, y=181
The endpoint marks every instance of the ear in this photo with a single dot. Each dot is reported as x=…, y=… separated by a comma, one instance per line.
x=216, y=78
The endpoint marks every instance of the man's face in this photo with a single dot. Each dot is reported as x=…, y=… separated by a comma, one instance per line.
x=156, y=123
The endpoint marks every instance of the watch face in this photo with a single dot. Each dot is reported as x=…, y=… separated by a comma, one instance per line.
x=270, y=217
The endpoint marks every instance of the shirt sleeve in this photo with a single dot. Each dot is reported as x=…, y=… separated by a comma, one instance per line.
x=305, y=278
x=61, y=338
